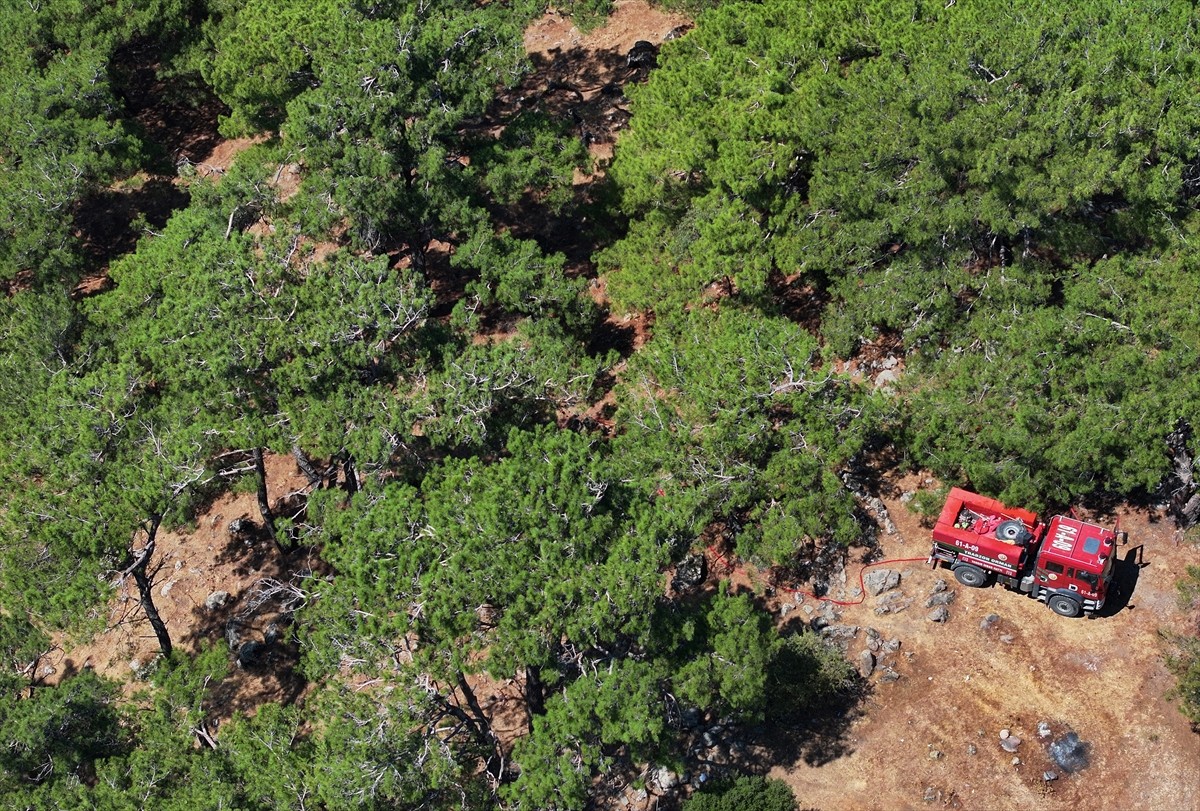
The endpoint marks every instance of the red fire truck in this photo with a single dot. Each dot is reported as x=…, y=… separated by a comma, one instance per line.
x=1068, y=564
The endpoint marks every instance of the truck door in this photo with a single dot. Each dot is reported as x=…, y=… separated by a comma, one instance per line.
x=1048, y=573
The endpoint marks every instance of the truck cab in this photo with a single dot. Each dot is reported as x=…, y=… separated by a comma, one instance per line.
x=1074, y=566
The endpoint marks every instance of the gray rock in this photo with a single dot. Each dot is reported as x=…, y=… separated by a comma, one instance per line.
x=935, y=754
x=866, y=663
x=931, y=795
x=889, y=675
x=971, y=749
x=166, y=589
x=216, y=600
x=1006, y=638
x=233, y=634
x=1016, y=761
x=1043, y=729
x=989, y=622
x=1005, y=734
x=939, y=614
x=886, y=380
x=893, y=603
x=664, y=778
x=874, y=643
x=940, y=598
x=643, y=54
x=877, y=581
x=1010, y=744
x=840, y=635
x=939, y=586
x=1048, y=776
x=891, y=646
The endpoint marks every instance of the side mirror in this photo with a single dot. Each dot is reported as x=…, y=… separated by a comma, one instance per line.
x=1122, y=537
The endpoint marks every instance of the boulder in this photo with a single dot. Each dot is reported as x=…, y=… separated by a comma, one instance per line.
x=893, y=603
x=939, y=614
x=643, y=54
x=1010, y=744
x=989, y=622
x=216, y=600
x=250, y=654
x=866, y=663
x=664, y=778
x=877, y=581
x=940, y=598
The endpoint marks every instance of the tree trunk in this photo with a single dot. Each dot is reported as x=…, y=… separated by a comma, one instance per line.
x=306, y=467
x=264, y=503
x=495, y=763
x=535, y=694
x=146, y=588
x=351, y=473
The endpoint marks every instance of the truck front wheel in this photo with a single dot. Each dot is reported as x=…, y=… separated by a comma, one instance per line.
x=970, y=575
x=1063, y=606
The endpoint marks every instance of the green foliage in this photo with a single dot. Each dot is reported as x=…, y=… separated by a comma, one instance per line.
x=734, y=411
x=58, y=732
x=805, y=674
x=496, y=565
x=1183, y=660
x=745, y=793
x=1040, y=403
x=568, y=744
x=1189, y=589
x=738, y=643
x=63, y=135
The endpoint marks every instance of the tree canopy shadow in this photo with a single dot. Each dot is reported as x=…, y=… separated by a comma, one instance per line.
x=818, y=736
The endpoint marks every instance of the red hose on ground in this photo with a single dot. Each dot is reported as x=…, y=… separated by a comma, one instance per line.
x=861, y=586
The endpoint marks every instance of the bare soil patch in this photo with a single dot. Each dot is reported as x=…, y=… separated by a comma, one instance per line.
x=190, y=566
x=931, y=739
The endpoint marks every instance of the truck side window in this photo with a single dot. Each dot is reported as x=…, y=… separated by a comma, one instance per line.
x=1054, y=567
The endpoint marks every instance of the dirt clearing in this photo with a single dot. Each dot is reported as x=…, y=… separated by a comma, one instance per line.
x=932, y=737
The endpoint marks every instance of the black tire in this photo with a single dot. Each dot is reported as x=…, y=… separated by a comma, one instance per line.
x=971, y=576
x=1011, y=531
x=1064, y=606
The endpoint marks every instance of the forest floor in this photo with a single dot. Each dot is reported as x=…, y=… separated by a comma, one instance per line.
x=928, y=739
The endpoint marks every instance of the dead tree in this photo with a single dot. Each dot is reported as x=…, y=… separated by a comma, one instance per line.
x=136, y=564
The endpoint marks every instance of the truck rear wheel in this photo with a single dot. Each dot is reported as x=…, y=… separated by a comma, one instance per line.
x=970, y=575
x=1063, y=606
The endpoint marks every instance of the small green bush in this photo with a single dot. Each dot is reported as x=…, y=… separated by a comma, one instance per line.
x=746, y=793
